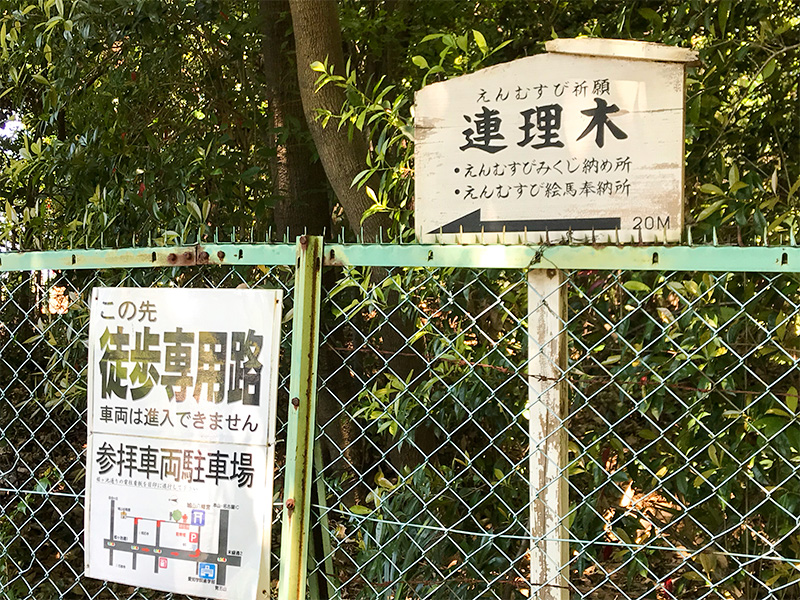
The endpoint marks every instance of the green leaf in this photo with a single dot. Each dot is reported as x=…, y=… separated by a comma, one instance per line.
x=769, y=69
x=761, y=222
x=151, y=139
x=480, y=41
x=724, y=11
x=656, y=22
x=791, y=399
x=650, y=15
x=710, y=188
x=712, y=454
x=420, y=61
x=382, y=481
x=665, y=314
x=429, y=37
x=360, y=510
x=710, y=210
x=733, y=174
x=703, y=477
x=195, y=209
x=779, y=412
x=250, y=173
x=770, y=425
x=317, y=66
x=692, y=287
x=636, y=286
x=360, y=120
x=738, y=186
x=793, y=189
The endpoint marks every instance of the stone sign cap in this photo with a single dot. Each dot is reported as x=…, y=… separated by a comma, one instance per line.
x=629, y=49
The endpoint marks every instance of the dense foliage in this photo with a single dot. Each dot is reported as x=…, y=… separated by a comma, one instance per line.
x=148, y=119
x=148, y=122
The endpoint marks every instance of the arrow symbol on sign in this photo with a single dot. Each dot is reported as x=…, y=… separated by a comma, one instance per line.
x=472, y=223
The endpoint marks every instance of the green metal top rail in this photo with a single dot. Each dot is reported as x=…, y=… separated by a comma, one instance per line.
x=763, y=259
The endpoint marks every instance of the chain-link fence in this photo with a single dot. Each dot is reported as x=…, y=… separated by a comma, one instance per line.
x=44, y=320
x=682, y=440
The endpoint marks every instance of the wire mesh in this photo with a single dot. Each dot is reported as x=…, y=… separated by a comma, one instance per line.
x=44, y=319
x=683, y=438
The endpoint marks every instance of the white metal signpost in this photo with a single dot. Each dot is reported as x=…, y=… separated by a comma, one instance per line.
x=584, y=143
x=181, y=415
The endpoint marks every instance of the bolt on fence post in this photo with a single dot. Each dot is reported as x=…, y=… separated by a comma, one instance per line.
x=296, y=521
x=547, y=401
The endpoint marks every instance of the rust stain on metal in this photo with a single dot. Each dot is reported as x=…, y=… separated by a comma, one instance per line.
x=187, y=257
x=290, y=506
x=296, y=402
x=184, y=259
x=304, y=242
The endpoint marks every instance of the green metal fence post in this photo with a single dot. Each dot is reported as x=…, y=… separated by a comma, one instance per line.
x=296, y=522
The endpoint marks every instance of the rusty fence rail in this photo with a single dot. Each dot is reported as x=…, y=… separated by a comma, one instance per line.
x=678, y=431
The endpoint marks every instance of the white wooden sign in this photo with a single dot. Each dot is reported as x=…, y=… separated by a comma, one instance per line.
x=585, y=142
x=181, y=415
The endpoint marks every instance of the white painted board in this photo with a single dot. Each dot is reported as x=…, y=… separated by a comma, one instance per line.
x=182, y=390
x=177, y=516
x=551, y=147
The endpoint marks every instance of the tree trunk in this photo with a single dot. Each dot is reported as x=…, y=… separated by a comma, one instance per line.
x=298, y=178
x=318, y=37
